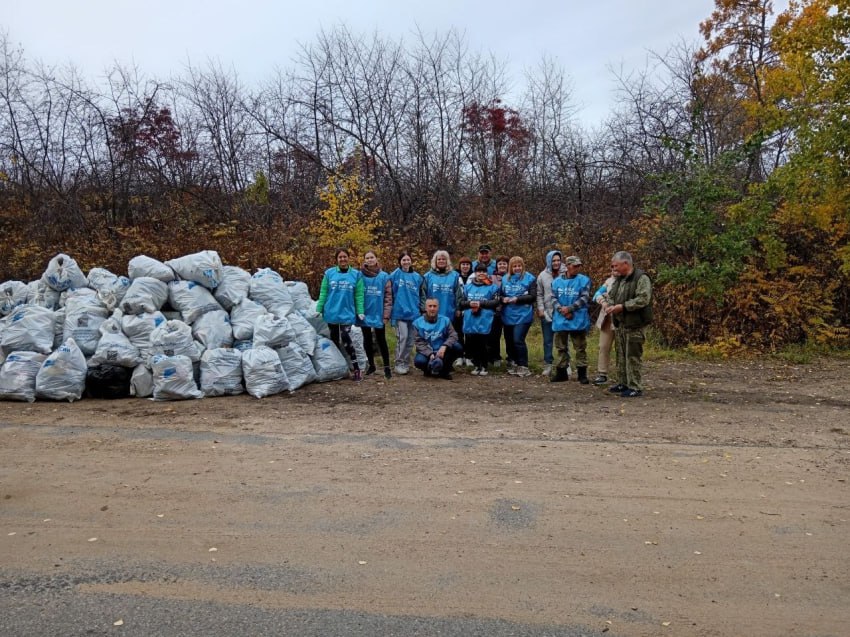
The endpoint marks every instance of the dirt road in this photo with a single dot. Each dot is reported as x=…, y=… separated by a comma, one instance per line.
x=716, y=505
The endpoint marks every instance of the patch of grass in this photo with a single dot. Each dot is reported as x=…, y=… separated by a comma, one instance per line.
x=806, y=353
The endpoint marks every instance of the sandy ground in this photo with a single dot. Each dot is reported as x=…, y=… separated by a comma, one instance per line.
x=716, y=505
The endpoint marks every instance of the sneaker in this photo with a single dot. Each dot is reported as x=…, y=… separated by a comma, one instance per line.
x=387, y=373
x=476, y=371
x=482, y=371
x=370, y=370
x=400, y=370
x=600, y=379
x=358, y=376
x=631, y=393
x=522, y=372
x=512, y=367
x=458, y=363
x=468, y=362
x=547, y=370
x=617, y=389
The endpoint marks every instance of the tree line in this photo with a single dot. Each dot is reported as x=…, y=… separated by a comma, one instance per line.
x=722, y=164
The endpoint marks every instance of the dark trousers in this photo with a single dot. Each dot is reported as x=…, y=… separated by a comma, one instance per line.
x=476, y=349
x=457, y=323
x=494, y=340
x=380, y=335
x=341, y=337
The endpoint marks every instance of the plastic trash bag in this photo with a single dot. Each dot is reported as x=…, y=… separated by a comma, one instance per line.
x=62, y=375
x=221, y=372
x=213, y=330
x=328, y=361
x=145, y=294
x=41, y=294
x=30, y=328
x=273, y=331
x=297, y=365
x=110, y=287
x=305, y=335
x=108, y=381
x=84, y=315
x=138, y=328
x=18, y=374
x=243, y=317
x=115, y=347
x=12, y=294
x=263, y=372
x=191, y=299
x=300, y=295
x=268, y=289
x=174, y=338
x=141, y=382
x=145, y=266
x=235, y=285
x=204, y=268
x=174, y=378
x=63, y=273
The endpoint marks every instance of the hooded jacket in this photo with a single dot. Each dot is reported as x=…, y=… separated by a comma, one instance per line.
x=545, y=300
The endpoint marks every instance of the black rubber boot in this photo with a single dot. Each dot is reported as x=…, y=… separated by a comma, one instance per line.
x=388, y=372
x=560, y=376
x=582, y=375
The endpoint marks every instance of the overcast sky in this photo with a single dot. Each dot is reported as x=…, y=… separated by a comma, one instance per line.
x=587, y=37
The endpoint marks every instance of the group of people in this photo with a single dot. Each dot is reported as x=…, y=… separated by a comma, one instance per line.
x=454, y=317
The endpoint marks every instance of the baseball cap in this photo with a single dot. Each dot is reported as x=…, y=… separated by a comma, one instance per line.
x=572, y=260
x=484, y=247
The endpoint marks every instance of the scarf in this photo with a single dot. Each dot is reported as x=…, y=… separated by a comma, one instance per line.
x=371, y=272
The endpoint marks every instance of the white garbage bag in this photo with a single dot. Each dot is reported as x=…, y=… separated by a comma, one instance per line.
x=174, y=378
x=221, y=372
x=39, y=293
x=328, y=361
x=138, y=328
x=84, y=315
x=305, y=335
x=29, y=328
x=63, y=273
x=297, y=365
x=192, y=299
x=244, y=316
x=12, y=294
x=18, y=373
x=273, y=332
x=202, y=267
x=141, y=382
x=58, y=328
x=235, y=285
x=62, y=375
x=145, y=294
x=268, y=289
x=174, y=338
x=110, y=288
x=213, y=330
x=145, y=266
x=263, y=372
x=317, y=321
x=300, y=295
x=114, y=347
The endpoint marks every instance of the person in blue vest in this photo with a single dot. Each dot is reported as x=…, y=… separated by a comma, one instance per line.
x=494, y=341
x=481, y=298
x=341, y=303
x=377, y=306
x=443, y=283
x=408, y=304
x=519, y=297
x=484, y=252
x=437, y=345
x=571, y=320
x=464, y=269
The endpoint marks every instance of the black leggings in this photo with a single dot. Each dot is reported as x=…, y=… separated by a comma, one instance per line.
x=368, y=345
x=343, y=333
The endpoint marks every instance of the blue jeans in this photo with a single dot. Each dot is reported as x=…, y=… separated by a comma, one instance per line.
x=548, y=339
x=420, y=361
x=518, y=350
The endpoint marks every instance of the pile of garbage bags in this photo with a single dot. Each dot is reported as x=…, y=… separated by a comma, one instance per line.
x=185, y=328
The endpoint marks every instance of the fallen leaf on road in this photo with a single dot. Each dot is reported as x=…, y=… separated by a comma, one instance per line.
x=213, y=550
x=516, y=508
x=361, y=562
x=119, y=622
x=92, y=539
x=665, y=623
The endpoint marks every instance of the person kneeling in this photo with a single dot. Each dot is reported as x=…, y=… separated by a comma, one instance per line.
x=436, y=342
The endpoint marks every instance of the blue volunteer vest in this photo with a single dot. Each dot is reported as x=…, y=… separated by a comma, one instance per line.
x=406, y=286
x=566, y=292
x=442, y=287
x=339, y=304
x=482, y=321
x=514, y=285
x=435, y=333
x=374, y=288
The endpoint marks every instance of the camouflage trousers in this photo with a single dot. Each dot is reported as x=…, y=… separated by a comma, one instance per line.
x=579, y=339
x=629, y=354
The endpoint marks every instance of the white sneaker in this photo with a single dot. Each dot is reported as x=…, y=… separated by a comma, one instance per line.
x=522, y=372
x=458, y=363
x=476, y=371
x=512, y=368
x=468, y=362
x=482, y=371
x=547, y=370
x=401, y=371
